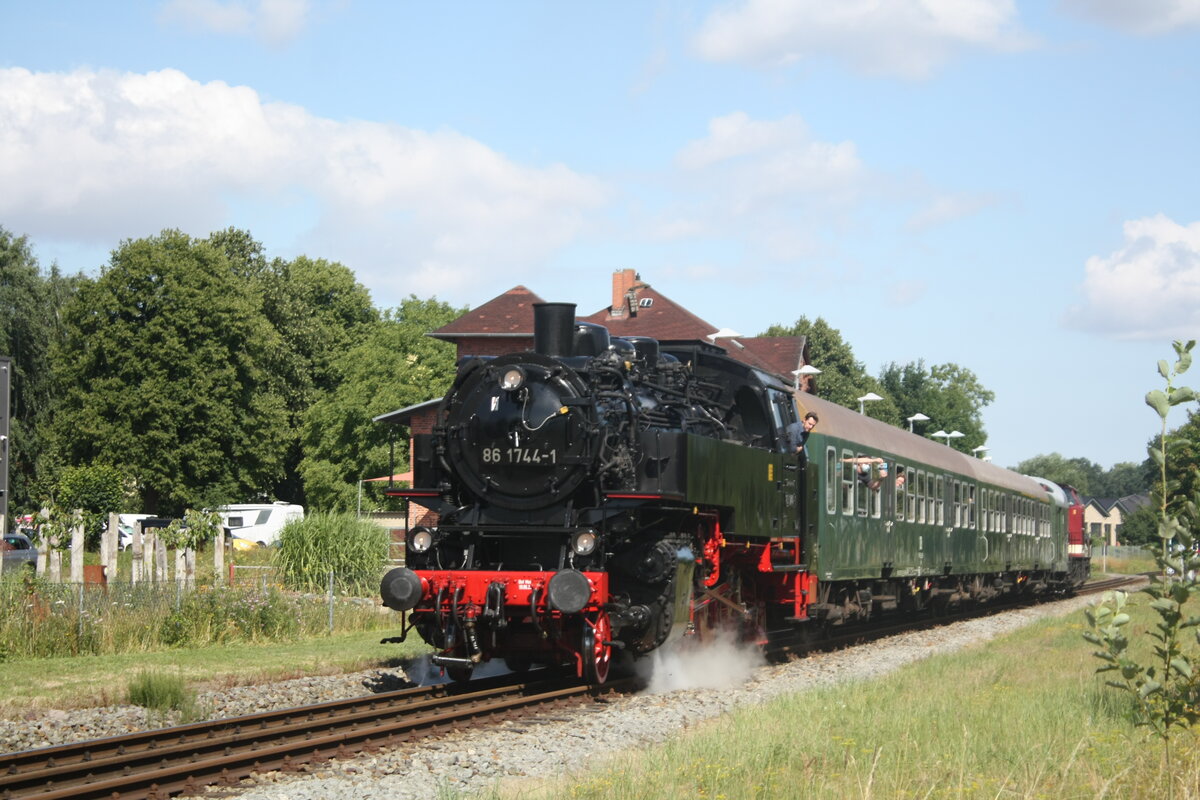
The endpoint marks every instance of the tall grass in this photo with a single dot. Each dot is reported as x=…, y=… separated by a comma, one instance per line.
x=355, y=550
x=1022, y=717
x=39, y=619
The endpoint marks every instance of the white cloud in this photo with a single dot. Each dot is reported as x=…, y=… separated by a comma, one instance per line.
x=274, y=21
x=947, y=208
x=750, y=163
x=103, y=155
x=908, y=38
x=1148, y=289
x=1146, y=17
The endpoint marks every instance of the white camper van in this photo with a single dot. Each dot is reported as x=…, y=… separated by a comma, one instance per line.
x=258, y=522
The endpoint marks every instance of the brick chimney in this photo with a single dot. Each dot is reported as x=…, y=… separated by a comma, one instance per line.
x=622, y=287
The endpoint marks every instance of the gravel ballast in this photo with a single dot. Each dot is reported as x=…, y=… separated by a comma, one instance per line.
x=681, y=694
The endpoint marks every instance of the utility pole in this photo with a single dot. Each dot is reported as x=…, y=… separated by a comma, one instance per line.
x=5, y=441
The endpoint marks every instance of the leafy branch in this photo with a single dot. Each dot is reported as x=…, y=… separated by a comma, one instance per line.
x=1164, y=685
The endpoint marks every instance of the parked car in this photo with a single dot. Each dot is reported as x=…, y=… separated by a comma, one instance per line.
x=125, y=525
x=18, y=551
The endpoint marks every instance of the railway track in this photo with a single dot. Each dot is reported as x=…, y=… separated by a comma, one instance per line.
x=186, y=759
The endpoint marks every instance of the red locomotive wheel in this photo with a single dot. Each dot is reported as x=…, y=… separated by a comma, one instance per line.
x=595, y=652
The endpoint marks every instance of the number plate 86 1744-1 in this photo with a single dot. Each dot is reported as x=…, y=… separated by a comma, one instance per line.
x=534, y=456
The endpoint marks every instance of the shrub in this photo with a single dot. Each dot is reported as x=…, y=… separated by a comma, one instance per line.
x=354, y=550
x=157, y=691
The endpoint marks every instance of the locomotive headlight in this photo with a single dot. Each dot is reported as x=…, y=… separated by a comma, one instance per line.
x=420, y=539
x=512, y=379
x=583, y=543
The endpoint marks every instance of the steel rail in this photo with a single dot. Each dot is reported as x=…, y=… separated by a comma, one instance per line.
x=186, y=758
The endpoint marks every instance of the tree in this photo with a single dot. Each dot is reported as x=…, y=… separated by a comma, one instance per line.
x=396, y=366
x=1183, y=458
x=843, y=378
x=95, y=490
x=1140, y=527
x=30, y=321
x=1055, y=467
x=164, y=375
x=1122, y=480
x=951, y=396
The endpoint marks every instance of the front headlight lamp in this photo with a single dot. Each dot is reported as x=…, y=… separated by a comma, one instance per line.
x=512, y=378
x=583, y=543
x=420, y=539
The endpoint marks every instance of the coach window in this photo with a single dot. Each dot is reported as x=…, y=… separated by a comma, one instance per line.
x=985, y=522
x=956, y=515
x=911, y=486
x=831, y=475
x=971, y=506
x=847, y=482
x=929, y=517
x=901, y=491
x=921, y=496
x=939, y=500
x=877, y=493
x=862, y=490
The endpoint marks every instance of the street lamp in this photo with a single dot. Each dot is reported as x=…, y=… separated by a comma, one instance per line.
x=941, y=434
x=807, y=369
x=953, y=435
x=983, y=448
x=869, y=397
x=917, y=417
x=724, y=333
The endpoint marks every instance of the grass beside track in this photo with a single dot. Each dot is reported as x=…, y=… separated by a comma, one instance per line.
x=44, y=683
x=1023, y=716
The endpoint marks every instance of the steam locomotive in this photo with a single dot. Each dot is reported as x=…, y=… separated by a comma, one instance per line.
x=602, y=497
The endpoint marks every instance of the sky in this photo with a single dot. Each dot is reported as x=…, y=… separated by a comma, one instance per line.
x=1008, y=186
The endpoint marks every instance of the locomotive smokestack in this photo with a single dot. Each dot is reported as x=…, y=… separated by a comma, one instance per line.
x=554, y=329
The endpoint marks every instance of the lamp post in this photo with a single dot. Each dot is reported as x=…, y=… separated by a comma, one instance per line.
x=953, y=435
x=869, y=397
x=983, y=448
x=917, y=417
x=807, y=369
x=941, y=434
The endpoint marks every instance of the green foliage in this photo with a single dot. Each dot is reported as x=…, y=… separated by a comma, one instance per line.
x=195, y=528
x=1166, y=685
x=1060, y=469
x=396, y=366
x=159, y=691
x=221, y=616
x=1140, y=527
x=165, y=374
x=843, y=378
x=355, y=550
x=52, y=527
x=1088, y=477
x=30, y=312
x=951, y=396
x=1121, y=480
x=97, y=490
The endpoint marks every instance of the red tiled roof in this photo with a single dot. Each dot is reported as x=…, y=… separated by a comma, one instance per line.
x=782, y=353
x=510, y=314
x=663, y=319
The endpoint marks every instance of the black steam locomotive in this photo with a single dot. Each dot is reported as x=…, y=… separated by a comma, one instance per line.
x=599, y=496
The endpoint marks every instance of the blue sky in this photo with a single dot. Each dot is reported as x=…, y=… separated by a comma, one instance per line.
x=1011, y=186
